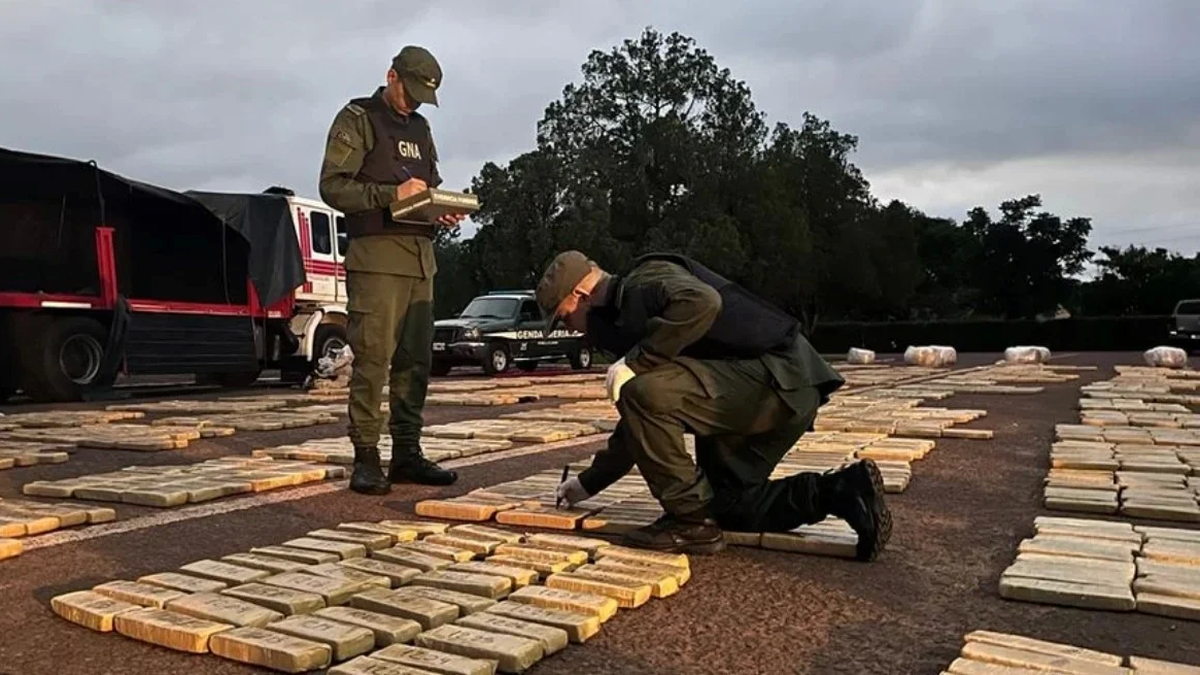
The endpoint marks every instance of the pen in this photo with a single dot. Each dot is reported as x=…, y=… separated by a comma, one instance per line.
x=566, y=470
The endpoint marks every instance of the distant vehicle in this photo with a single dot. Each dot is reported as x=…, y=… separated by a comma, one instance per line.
x=500, y=329
x=1185, y=329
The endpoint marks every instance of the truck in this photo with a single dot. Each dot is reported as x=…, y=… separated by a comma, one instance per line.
x=501, y=329
x=103, y=276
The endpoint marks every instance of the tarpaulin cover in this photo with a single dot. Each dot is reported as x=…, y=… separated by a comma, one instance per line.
x=170, y=245
x=276, y=266
x=29, y=176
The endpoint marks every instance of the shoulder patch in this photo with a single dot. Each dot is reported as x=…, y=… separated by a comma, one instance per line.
x=355, y=108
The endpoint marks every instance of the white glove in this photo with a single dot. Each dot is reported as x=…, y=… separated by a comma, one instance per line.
x=571, y=492
x=618, y=375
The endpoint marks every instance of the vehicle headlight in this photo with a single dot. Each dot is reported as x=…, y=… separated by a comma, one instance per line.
x=471, y=333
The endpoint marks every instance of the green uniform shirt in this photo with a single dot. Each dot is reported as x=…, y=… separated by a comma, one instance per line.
x=350, y=138
x=688, y=308
x=670, y=309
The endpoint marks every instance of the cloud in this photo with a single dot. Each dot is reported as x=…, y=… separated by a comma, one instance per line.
x=955, y=104
x=1121, y=187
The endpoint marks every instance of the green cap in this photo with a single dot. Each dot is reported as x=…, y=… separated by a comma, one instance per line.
x=561, y=277
x=419, y=72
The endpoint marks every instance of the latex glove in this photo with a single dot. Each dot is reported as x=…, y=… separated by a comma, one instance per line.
x=570, y=492
x=618, y=375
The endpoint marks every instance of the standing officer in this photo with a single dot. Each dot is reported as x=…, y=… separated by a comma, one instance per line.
x=701, y=354
x=379, y=149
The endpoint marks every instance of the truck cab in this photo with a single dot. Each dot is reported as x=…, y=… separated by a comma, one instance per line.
x=500, y=329
x=319, y=321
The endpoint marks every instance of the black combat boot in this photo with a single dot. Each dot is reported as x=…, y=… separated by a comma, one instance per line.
x=368, y=478
x=855, y=494
x=409, y=465
x=678, y=534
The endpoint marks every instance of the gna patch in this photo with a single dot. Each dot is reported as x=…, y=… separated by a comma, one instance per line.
x=408, y=149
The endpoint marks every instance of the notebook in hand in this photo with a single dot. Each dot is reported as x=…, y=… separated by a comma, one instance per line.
x=431, y=204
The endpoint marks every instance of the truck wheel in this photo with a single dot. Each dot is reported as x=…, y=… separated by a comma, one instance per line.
x=62, y=358
x=582, y=359
x=439, y=369
x=528, y=366
x=497, y=360
x=328, y=338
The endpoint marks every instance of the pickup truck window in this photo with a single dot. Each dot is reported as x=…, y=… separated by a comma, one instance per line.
x=490, y=308
x=530, y=311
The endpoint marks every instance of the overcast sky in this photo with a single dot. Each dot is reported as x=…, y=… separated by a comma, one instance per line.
x=1095, y=104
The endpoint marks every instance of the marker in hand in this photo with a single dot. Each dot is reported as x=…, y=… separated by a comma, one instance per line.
x=566, y=471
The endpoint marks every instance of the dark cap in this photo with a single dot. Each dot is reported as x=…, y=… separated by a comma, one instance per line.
x=561, y=277
x=419, y=72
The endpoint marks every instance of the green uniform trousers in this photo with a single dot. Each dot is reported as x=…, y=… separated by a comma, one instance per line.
x=390, y=329
x=743, y=428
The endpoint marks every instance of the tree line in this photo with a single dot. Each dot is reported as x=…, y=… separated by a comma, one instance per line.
x=659, y=148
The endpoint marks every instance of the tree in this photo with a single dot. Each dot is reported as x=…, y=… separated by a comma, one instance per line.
x=1024, y=260
x=663, y=137
x=519, y=204
x=1137, y=280
x=457, y=281
x=528, y=214
x=816, y=187
x=946, y=252
x=658, y=148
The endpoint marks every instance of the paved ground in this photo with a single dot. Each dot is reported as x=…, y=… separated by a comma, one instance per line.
x=746, y=611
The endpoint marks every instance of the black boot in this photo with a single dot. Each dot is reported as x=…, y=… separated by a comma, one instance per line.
x=676, y=534
x=855, y=494
x=368, y=478
x=409, y=465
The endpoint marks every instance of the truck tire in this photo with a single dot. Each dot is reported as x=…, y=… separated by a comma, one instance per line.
x=582, y=359
x=62, y=358
x=497, y=360
x=328, y=337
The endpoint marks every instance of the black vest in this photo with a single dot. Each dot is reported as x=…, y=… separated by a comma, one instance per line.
x=400, y=144
x=746, y=328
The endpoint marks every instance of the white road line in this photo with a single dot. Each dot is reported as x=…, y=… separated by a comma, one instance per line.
x=70, y=536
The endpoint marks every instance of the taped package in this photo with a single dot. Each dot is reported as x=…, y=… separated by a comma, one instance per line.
x=860, y=356
x=1166, y=357
x=933, y=356
x=1026, y=354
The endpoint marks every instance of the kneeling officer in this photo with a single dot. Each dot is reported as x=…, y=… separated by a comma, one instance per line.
x=701, y=354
